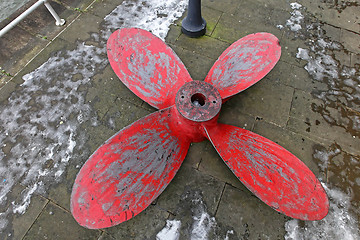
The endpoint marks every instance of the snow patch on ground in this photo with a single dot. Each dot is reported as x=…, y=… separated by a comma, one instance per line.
x=37, y=130
x=203, y=223
x=325, y=63
x=338, y=224
x=295, y=21
x=202, y=227
x=170, y=231
x=39, y=126
x=155, y=16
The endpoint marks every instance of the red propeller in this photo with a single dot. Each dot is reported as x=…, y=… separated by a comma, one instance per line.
x=134, y=166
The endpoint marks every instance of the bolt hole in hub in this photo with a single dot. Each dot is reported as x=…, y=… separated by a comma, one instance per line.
x=198, y=101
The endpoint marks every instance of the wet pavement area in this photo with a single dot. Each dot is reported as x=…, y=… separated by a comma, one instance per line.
x=60, y=100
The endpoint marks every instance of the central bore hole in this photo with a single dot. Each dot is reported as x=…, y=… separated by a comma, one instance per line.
x=198, y=99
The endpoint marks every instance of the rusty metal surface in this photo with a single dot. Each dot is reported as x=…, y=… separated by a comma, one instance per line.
x=244, y=63
x=271, y=172
x=198, y=101
x=134, y=166
x=147, y=66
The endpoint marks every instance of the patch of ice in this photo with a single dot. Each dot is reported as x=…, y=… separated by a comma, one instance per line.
x=295, y=21
x=154, y=15
x=325, y=156
x=295, y=5
x=170, y=231
x=21, y=208
x=338, y=224
x=202, y=226
x=228, y=233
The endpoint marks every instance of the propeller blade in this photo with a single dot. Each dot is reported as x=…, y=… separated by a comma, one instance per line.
x=128, y=172
x=271, y=172
x=244, y=63
x=147, y=66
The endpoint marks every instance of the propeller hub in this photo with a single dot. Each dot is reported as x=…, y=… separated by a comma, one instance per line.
x=198, y=101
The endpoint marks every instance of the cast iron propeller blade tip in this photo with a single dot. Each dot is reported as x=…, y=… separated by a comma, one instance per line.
x=134, y=166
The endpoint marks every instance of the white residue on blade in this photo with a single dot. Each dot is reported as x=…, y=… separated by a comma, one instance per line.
x=170, y=231
x=39, y=125
x=338, y=224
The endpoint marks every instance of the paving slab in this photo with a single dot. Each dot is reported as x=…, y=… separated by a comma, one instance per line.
x=228, y=6
x=173, y=34
x=82, y=28
x=295, y=77
x=198, y=65
x=267, y=99
x=249, y=217
x=77, y=5
x=143, y=226
x=213, y=165
x=355, y=60
x=26, y=46
x=303, y=119
x=201, y=45
x=30, y=36
x=55, y=222
x=191, y=180
x=336, y=13
x=351, y=40
x=232, y=27
x=19, y=222
x=102, y=8
x=248, y=18
x=289, y=50
x=41, y=23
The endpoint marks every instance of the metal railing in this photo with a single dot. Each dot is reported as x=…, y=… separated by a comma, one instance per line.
x=59, y=21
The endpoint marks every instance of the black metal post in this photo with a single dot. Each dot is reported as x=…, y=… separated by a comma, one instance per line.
x=193, y=24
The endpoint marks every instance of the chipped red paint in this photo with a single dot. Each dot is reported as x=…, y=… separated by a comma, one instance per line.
x=147, y=66
x=271, y=172
x=133, y=167
x=128, y=172
x=244, y=63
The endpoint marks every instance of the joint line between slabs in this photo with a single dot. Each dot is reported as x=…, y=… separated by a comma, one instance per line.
x=37, y=217
x=221, y=195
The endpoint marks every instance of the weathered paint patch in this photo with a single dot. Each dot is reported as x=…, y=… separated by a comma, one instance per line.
x=147, y=66
x=128, y=172
x=271, y=172
x=244, y=63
